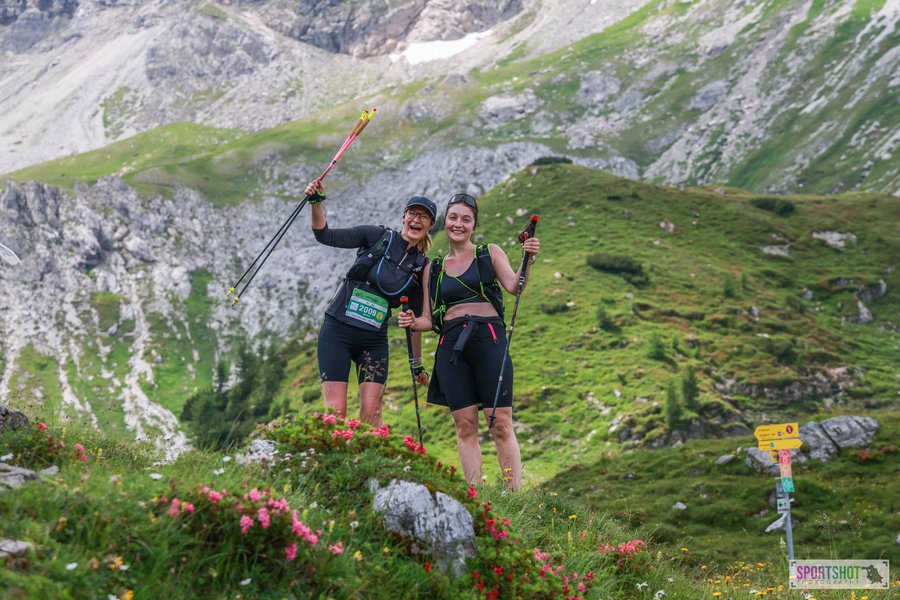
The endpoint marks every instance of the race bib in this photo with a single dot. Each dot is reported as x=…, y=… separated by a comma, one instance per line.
x=367, y=307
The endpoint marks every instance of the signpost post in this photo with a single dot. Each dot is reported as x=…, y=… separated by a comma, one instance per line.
x=778, y=440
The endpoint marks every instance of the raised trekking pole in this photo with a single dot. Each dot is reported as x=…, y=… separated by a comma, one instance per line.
x=267, y=250
x=528, y=233
x=404, y=303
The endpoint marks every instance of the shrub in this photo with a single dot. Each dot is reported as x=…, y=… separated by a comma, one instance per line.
x=630, y=269
x=690, y=390
x=551, y=160
x=673, y=406
x=656, y=348
x=556, y=307
x=779, y=206
x=604, y=320
x=728, y=286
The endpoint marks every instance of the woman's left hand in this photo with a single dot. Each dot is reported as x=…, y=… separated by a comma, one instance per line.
x=422, y=378
x=532, y=246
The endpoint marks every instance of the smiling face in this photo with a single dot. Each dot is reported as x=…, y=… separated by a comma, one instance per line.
x=417, y=223
x=460, y=222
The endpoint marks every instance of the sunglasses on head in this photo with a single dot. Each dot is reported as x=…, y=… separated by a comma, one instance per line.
x=463, y=198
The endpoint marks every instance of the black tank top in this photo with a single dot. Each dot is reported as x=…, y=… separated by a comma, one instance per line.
x=463, y=289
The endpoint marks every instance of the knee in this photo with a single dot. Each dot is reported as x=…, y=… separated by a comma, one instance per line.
x=467, y=430
x=502, y=430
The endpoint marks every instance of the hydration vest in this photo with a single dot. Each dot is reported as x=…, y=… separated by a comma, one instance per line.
x=490, y=291
x=370, y=268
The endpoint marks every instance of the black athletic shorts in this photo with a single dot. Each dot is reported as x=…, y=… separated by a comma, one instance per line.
x=467, y=365
x=340, y=343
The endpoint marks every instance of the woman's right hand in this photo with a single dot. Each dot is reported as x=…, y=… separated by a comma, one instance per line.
x=406, y=318
x=315, y=187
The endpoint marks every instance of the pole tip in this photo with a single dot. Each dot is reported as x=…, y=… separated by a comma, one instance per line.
x=534, y=218
x=404, y=300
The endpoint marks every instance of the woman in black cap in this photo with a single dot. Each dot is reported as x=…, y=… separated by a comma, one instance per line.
x=463, y=291
x=389, y=265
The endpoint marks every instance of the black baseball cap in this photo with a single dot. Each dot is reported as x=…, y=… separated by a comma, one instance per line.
x=425, y=203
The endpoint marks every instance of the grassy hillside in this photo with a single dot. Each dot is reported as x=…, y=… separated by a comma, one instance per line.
x=593, y=350
x=114, y=523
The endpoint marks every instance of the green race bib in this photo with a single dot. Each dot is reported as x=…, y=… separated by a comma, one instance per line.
x=366, y=307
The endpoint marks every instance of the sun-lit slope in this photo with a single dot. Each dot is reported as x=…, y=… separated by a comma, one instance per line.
x=594, y=353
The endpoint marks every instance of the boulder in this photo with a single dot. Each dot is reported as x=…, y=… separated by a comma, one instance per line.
x=10, y=548
x=12, y=419
x=821, y=441
x=12, y=477
x=437, y=524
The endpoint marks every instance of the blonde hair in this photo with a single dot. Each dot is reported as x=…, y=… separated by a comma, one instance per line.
x=424, y=245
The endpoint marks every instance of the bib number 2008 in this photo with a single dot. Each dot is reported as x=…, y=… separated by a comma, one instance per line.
x=366, y=307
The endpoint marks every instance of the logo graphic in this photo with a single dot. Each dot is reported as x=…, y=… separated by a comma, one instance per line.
x=839, y=574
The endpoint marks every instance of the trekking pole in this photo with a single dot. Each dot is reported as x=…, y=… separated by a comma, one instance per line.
x=528, y=233
x=404, y=303
x=270, y=246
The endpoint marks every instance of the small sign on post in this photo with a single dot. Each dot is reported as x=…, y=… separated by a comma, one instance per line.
x=778, y=440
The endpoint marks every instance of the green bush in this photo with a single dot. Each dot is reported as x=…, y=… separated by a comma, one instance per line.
x=656, y=348
x=779, y=206
x=556, y=307
x=551, y=160
x=630, y=269
x=604, y=320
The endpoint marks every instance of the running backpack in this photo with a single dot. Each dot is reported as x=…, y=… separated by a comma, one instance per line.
x=489, y=291
x=367, y=268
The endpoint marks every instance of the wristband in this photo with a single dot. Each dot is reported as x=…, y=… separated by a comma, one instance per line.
x=419, y=370
x=316, y=198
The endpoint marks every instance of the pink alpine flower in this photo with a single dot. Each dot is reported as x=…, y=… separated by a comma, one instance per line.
x=264, y=519
x=291, y=552
x=40, y=426
x=337, y=548
x=347, y=434
x=255, y=495
x=329, y=419
x=246, y=524
x=79, y=447
x=472, y=493
x=354, y=423
x=187, y=507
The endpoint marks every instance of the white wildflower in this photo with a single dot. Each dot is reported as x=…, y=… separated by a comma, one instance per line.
x=156, y=476
x=641, y=586
x=246, y=581
x=71, y=566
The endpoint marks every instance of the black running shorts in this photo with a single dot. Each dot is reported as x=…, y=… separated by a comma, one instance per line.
x=340, y=343
x=467, y=365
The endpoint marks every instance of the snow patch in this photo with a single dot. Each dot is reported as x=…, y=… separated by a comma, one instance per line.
x=420, y=52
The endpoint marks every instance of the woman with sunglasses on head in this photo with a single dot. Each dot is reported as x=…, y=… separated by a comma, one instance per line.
x=463, y=291
x=389, y=265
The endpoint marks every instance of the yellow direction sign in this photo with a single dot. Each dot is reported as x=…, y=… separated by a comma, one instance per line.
x=781, y=444
x=765, y=433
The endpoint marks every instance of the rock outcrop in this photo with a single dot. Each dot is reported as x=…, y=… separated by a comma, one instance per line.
x=822, y=441
x=436, y=524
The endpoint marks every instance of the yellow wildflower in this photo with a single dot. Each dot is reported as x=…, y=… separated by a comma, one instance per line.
x=573, y=517
x=128, y=595
x=358, y=556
